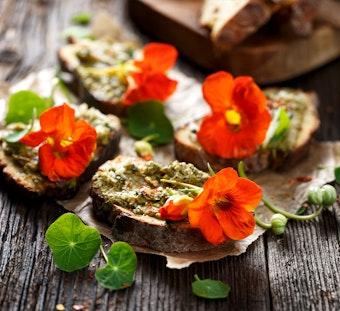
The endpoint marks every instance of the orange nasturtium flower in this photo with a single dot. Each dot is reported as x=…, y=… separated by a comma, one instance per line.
x=223, y=210
x=65, y=145
x=240, y=117
x=149, y=80
x=176, y=208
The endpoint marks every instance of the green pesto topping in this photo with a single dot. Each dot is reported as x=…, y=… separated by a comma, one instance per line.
x=103, y=67
x=137, y=185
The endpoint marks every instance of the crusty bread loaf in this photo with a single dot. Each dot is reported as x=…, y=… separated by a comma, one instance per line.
x=127, y=193
x=84, y=64
x=231, y=22
x=294, y=148
x=21, y=171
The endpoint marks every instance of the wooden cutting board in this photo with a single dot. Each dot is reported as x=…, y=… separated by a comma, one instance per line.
x=266, y=57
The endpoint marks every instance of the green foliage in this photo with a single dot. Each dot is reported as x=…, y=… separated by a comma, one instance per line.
x=337, y=174
x=73, y=243
x=278, y=128
x=148, y=118
x=82, y=18
x=120, y=268
x=210, y=289
x=21, y=106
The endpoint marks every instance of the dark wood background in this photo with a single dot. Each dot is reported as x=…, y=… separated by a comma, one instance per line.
x=299, y=271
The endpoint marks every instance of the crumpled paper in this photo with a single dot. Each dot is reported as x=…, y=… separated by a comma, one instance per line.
x=284, y=189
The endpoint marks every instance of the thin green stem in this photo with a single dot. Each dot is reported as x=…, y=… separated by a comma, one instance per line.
x=103, y=252
x=273, y=208
x=261, y=223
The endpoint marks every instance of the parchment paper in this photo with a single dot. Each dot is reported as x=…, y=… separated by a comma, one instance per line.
x=185, y=105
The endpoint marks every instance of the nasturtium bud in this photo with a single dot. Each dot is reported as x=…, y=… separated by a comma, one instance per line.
x=278, y=222
x=144, y=149
x=315, y=195
x=329, y=195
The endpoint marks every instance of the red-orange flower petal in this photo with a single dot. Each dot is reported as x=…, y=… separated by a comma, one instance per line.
x=160, y=57
x=240, y=118
x=217, y=91
x=66, y=145
x=149, y=81
x=223, y=210
x=149, y=87
x=176, y=208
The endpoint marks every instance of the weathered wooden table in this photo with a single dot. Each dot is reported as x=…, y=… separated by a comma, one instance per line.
x=299, y=271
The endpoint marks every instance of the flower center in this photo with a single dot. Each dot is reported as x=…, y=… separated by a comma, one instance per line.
x=224, y=204
x=233, y=119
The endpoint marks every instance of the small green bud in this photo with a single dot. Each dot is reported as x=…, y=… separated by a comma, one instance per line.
x=329, y=195
x=315, y=195
x=278, y=222
x=144, y=149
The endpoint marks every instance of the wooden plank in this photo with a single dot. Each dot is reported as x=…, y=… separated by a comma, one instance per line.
x=299, y=271
x=267, y=57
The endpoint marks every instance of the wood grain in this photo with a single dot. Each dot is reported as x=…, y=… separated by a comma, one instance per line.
x=298, y=271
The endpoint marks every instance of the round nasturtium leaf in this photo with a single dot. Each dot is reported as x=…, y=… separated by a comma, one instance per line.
x=148, y=118
x=73, y=243
x=210, y=289
x=21, y=106
x=120, y=268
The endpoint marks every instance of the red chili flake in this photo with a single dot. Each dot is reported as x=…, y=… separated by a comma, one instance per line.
x=291, y=182
x=90, y=277
x=304, y=178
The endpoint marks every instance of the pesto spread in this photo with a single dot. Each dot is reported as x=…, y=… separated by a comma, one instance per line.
x=137, y=185
x=103, y=66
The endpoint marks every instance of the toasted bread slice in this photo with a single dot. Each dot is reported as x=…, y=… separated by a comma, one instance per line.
x=94, y=71
x=304, y=121
x=127, y=193
x=20, y=166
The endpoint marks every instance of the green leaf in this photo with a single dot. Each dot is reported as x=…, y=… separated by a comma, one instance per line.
x=17, y=135
x=147, y=118
x=210, y=289
x=73, y=243
x=81, y=18
x=278, y=128
x=120, y=268
x=21, y=106
x=337, y=174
